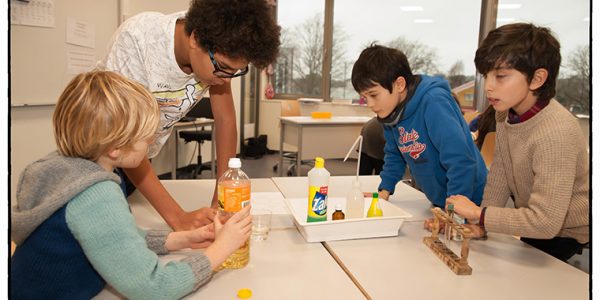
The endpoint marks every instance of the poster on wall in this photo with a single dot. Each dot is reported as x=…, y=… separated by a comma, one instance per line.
x=38, y=13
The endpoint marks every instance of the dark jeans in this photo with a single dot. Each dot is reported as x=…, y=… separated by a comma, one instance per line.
x=369, y=165
x=559, y=247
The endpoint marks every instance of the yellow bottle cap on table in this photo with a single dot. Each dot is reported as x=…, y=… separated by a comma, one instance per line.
x=244, y=293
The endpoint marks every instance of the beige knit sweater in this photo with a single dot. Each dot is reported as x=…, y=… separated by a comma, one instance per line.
x=544, y=163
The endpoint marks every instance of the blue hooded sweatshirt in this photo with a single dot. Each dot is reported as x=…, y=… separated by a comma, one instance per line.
x=433, y=139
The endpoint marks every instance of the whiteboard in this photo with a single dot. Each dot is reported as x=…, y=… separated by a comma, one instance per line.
x=38, y=55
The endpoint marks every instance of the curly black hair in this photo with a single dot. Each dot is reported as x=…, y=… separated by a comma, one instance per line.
x=236, y=28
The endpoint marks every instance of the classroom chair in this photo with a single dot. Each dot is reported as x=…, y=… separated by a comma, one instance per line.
x=202, y=109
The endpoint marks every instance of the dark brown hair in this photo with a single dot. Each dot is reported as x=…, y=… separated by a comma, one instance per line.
x=485, y=124
x=380, y=65
x=236, y=28
x=524, y=47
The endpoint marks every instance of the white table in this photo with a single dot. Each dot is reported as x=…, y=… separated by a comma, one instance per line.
x=191, y=125
x=403, y=267
x=282, y=267
x=327, y=138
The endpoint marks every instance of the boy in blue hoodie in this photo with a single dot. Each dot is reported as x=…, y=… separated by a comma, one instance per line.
x=423, y=127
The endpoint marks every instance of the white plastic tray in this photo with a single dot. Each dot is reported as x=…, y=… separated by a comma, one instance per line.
x=347, y=229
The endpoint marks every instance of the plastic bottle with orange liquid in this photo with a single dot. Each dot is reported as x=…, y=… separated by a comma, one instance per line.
x=234, y=194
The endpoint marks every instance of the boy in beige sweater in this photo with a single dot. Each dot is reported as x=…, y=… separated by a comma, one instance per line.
x=540, y=157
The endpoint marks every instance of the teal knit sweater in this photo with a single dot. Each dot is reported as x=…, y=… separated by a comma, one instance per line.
x=98, y=218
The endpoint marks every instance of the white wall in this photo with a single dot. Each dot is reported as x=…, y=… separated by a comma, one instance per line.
x=31, y=127
x=31, y=137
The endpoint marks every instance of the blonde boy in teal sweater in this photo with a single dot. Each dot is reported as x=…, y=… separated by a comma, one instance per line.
x=72, y=224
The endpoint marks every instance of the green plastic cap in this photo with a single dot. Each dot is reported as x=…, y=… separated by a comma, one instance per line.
x=450, y=206
x=375, y=195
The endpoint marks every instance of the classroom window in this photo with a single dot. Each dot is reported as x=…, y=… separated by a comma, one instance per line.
x=434, y=43
x=570, y=22
x=298, y=70
x=438, y=37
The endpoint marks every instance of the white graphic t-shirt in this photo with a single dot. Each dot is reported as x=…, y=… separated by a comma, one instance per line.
x=143, y=50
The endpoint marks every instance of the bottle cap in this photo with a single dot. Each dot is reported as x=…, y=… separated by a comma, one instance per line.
x=319, y=162
x=450, y=207
x=338, y=207
x=235, y=162
x=244, y=293
x=375, y=195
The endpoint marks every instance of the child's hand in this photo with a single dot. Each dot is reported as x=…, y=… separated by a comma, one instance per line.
x=464, y=207
x=229, y=236
x=202, y=237
x=476, y=231
x=197, y=238
x=236, y=230
x=428, y=225
x=383, y=194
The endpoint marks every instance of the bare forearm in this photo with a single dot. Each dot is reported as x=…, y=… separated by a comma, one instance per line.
x=226, y=128
x=145, y=180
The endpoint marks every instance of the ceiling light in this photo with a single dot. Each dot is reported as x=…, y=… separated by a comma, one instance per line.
x=423, y=21
x=411, y=8
x=509, y=6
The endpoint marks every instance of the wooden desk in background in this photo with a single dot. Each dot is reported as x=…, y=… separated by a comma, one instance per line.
x=327, y=138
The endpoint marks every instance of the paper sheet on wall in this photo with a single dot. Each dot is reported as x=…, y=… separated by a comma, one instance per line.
x=32, y=13
x=80, y=60
x=81, y=33
x=272, y=201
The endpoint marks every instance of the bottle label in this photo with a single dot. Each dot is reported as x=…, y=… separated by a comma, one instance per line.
x=233, y=199
x=317, y=203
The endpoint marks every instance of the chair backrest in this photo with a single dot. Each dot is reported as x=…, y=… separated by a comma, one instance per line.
x=488, y=147
x=201, y=109
x=290, y=108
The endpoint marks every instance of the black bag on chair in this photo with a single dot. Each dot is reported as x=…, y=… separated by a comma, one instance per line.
x=255, y=147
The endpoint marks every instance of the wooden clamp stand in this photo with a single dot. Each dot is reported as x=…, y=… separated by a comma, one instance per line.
x=460, y=266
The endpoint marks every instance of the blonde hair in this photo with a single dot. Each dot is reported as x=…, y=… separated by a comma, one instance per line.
x=101, y=110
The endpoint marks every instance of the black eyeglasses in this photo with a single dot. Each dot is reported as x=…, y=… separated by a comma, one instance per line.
x=224, y=74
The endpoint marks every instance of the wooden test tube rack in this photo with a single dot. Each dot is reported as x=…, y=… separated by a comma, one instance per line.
x=460, y=266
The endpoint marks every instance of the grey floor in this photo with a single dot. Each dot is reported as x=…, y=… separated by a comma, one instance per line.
x=263, y=168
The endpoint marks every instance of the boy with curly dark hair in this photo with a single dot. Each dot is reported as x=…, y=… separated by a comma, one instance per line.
x=178, y=57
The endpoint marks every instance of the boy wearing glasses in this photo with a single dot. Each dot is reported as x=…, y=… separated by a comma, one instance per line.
x=181, y=56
